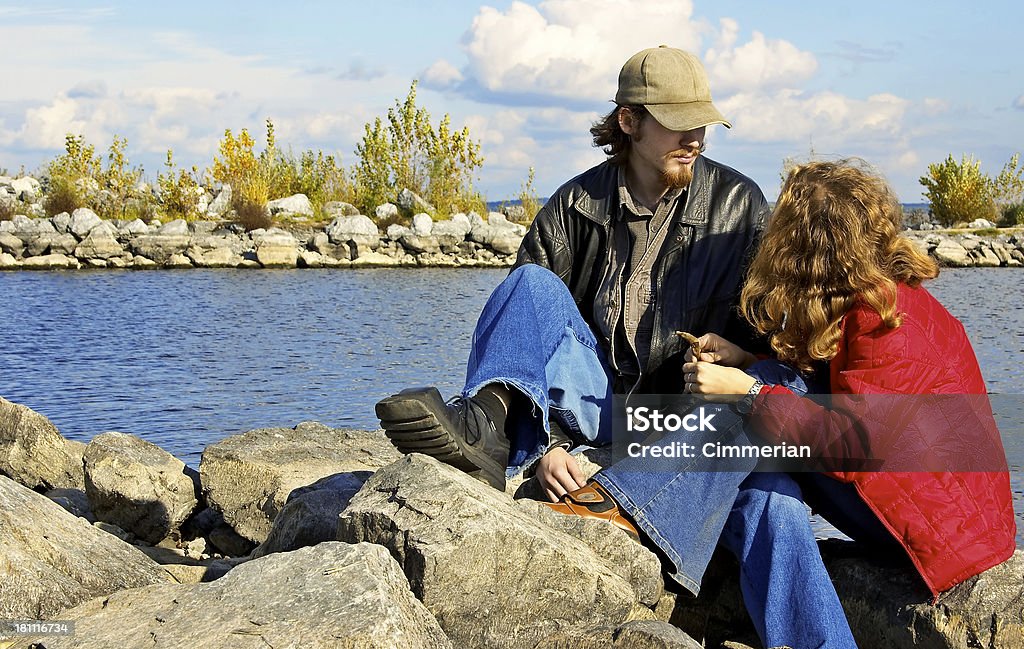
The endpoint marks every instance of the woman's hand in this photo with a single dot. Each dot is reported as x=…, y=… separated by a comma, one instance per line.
x=718, y=350
x=558, y=473
x=723, y=384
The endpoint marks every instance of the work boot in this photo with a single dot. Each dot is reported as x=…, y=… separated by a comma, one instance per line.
x=467, y=433
x=593, y=501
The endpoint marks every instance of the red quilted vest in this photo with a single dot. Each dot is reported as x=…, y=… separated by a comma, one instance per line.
x=953, y=523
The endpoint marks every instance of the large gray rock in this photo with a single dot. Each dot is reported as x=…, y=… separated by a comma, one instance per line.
x=214, y=257
x=984, y=257
x=248, y=477
x=33, y=452
x=458, y=226
x=295, y=204
x=159, y=248
x=61, y=222
x=328, y=596
x=497, y=233
x=52, y=560
x=887, y=605
x=26, y=189
x=56, y=243
x=82, y=221
x=386, y=211
x=422, y=225
x=639, y=634
x=951, y=253
x=410, y=201
x=335, y=209
x=134, y=228
x=52, y=261
x=420, y=244
x=222, y=203
x=138, y=486
x=311, y=514
x=175, y=228
x=11, y=244
x=357, y=230
x=491, y=574
x=99, y=244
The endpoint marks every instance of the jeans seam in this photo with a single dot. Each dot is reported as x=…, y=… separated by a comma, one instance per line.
x=638, y=517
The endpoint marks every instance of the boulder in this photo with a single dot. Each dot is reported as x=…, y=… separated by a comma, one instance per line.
x=295, y=204
x=334, y=209
x=310, y=515
x=7, y=261
x=386, y=211
x=34, y=453
x=82, y=221
x=248, y=477
x=331, y=595
x=73, y=501
x=506, y=244
x=492, y=575
x=134, y=228
x=26, y=189
x=422, y=225
x=98, y=244
x=175, y=228
x=54, y=560
x=138, y=486
x=374, y=260
x=11, y=244
x=419, y=244
x=638, y=634
x=178, y=260
x=983, y=256
x=396, y=231
x=61, y=222
x=222, y=203
x=458, y=226
x=159, y=248
x=409, y=201
x=310, y=259
x=213, y=258
x=981, y=223
x=951, y=253
x=355, y=230
x=56, y=243
x=273, y=256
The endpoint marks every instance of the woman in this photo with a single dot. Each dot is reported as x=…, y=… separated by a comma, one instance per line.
x=833, y=283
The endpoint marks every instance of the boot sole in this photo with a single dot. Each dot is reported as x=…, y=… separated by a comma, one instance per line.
x=413, y=421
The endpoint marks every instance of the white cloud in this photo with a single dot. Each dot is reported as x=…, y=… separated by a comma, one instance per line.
x=759, y=63
x=570, y=49
x=441, y=74
x=1019, y=102
x=790, y=115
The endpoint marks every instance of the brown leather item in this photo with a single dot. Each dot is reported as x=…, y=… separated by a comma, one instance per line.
x=592, y=501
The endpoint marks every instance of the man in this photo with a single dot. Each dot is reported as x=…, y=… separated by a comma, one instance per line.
x=651, y=241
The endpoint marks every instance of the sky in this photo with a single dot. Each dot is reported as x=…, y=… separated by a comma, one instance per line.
x=899, y=84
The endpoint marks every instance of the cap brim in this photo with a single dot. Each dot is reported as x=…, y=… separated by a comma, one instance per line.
x=687, y=117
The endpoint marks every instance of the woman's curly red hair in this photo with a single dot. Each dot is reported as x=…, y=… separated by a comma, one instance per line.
x=833, y=239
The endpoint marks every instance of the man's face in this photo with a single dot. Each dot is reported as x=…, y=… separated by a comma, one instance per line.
x=656, y=149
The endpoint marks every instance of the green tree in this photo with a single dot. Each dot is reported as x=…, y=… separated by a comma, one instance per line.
x=1008, y=192
x=179, y=191
x=406, y=152
x=959, y=191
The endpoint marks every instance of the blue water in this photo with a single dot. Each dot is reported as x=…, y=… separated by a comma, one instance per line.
x=185, y=358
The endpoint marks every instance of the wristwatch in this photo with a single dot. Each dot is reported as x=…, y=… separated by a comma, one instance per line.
x=744, y=405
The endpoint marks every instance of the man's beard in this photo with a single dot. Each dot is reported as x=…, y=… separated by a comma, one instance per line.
x=679, y=177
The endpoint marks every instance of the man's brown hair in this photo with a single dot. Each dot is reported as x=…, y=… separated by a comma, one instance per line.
x=608, y=134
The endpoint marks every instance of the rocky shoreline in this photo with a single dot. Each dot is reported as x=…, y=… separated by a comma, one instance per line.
x=82, y=240
x=323, y=537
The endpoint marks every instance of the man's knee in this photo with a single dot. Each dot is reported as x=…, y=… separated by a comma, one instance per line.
x=533, y=273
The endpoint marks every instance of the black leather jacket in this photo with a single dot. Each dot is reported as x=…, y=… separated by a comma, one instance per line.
x=698, y=274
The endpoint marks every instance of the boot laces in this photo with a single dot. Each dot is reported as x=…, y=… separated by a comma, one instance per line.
x=474, y=418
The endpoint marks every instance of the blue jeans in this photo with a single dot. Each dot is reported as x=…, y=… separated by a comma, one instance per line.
x=531, y=337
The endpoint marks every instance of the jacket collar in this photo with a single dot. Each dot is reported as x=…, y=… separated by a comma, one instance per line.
x=599, y=199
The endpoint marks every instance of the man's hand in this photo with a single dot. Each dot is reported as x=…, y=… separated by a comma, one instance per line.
x=715, y=349
x=724, y=384
x=558, y=473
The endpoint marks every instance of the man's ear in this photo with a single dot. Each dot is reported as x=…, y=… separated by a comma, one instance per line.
x=627, y=120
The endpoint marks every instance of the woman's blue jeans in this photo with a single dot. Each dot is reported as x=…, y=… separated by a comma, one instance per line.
x=532, y=337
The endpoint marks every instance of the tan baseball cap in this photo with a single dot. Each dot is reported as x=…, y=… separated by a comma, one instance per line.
x=672, y=85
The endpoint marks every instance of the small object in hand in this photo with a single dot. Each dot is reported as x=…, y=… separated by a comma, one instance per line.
x=693, y=341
